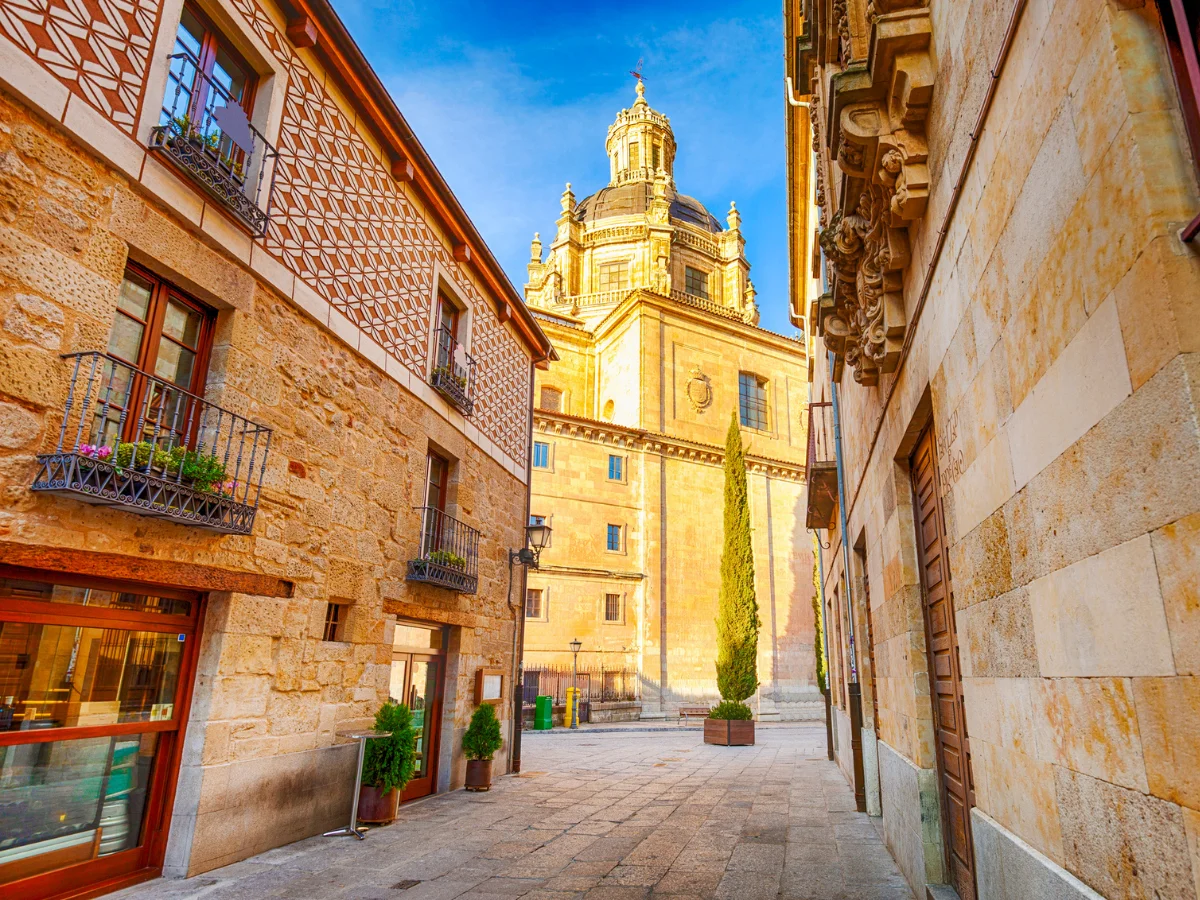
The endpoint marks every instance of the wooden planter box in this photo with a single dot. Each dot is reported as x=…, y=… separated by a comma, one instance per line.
x=729, y=732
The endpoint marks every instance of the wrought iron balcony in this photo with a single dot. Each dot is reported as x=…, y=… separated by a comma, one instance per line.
x=821, y=467
x=132, y=440
x=449, y=553
x=204, y=131
x=453, y=373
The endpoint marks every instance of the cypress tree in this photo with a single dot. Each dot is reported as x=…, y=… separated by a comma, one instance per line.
x=737, y=608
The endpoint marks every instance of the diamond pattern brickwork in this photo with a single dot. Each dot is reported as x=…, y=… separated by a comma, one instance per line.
x=99, y=49
x=338, y=219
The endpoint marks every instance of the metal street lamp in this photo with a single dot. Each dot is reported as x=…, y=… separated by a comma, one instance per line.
x=574, y=712
x=536, y=538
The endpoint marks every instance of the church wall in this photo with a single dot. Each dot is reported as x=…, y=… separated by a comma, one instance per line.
x=619, y=373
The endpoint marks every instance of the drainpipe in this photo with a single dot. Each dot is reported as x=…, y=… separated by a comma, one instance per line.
x=854, y=688
x=825, y=646
x=518, y=685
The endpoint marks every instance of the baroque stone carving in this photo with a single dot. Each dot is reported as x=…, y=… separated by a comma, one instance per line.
x=698, y=390
x=876, y=143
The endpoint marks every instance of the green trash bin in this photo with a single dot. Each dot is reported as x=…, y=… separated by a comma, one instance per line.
x=543, y=713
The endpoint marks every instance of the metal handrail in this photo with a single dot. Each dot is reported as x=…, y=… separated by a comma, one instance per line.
x=454, y=371
x=449, y=552
x=232, y=160
x=820, y=436
x=130, y=438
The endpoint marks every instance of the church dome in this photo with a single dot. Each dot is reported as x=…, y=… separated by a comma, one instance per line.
x=633, y=198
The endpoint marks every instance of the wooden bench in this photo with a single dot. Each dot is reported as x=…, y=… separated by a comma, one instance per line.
x=686, y=712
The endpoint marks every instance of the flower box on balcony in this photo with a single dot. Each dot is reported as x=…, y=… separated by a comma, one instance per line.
x=453, y=373
x=449, y=553
x=216, y=147
x=135, y=441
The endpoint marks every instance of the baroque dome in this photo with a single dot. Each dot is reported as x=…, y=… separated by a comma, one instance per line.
x=634, y=198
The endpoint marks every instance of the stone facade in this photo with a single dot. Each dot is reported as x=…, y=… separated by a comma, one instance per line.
x=1034, y=303
x=319, y=337
x=649, y=377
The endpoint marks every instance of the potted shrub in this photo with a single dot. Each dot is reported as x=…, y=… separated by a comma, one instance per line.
x=480, y=743
x=388, y=764
x=447, y=558
x=731, y=721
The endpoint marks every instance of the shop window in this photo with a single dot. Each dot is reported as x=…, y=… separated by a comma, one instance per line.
x=541, y=455
x=695, y=282
x=613, y=538
x=612, y=607
x=752, y=401
x=335, y=621
x=614, y=276
x=551, y=399
x=616, y=468
x=533, y=604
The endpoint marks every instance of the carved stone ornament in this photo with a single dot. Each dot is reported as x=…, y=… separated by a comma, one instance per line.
x=698, y=390
x=877, y=147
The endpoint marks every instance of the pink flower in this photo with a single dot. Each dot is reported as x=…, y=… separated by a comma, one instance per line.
x=103, y=452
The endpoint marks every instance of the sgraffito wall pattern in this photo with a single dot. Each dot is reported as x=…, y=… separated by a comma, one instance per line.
x=338, y=219
x=99, y=49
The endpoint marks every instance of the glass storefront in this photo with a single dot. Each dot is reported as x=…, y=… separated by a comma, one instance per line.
x=93, y=682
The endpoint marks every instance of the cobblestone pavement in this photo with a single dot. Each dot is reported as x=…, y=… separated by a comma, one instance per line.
x=601, y=815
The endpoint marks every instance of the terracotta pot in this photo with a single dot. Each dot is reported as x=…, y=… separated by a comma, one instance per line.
x=729, y=732
x=377, y=808
x=479, y=774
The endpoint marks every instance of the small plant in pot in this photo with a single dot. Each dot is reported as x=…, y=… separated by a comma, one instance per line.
x=388, y=764
x=480, y=743
x=731, y=722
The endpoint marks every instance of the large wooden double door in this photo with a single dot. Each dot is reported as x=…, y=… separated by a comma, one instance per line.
x=945, y=676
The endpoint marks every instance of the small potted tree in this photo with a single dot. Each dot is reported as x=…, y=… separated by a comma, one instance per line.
x=480, y=743
x=388, y=764
x=731, y=721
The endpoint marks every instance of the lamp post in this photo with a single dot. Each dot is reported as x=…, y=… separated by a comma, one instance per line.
x=536, y=538
x=575, y=647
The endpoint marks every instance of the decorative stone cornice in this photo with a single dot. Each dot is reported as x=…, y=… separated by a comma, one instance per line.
x=635, y=439
x=869, y=131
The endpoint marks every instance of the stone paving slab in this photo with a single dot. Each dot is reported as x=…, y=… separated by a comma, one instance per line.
x=631, y=814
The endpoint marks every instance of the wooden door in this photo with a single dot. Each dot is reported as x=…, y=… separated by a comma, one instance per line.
x=424, y=698
x=945, y=677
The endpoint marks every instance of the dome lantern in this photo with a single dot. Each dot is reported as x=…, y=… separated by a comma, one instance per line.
x=640, y=143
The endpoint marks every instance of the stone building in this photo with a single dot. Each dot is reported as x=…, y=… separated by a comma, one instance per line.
x=1004, y=329
x=647, y=298
x=264, y=436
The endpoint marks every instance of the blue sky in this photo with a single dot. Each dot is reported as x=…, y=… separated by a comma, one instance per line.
x=512, y=100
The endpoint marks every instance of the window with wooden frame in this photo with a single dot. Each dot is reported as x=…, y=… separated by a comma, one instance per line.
x=612, y=607
x=449, y=316
x=163, y=332
x=752, y=401
x=203, y=57
x=695, y=282
x=335, y=621
x=612, y=539
x=533, y=604
x=614, y=276
x=1181, y=27
x=437, y=482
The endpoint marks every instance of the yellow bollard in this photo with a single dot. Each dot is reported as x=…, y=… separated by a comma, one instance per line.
x=571, y=716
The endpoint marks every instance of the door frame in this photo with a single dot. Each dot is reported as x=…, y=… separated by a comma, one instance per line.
x=928, y=433
x=433, y=708
x=145, y=861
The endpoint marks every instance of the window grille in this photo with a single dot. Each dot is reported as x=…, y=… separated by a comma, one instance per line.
x=612, y=607
x=614, y=276
x=334, y=621
x=551, y=399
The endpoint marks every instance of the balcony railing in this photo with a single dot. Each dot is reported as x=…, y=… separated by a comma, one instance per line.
x=135, y=441
x=204, y=131
x=821, y=467
x=453, y=373
x=449, y=554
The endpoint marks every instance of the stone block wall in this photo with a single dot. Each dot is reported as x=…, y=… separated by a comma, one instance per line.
x=263, y=761
x=1056, y=357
